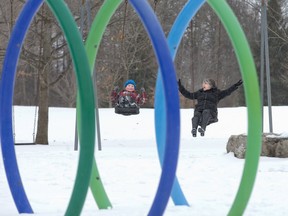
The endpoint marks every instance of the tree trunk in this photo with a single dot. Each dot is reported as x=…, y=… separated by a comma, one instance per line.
x=42, y=126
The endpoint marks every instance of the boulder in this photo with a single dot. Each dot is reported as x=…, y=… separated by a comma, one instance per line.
x=273, y=145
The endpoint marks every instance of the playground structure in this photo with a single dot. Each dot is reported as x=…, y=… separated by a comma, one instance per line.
x=167, y=123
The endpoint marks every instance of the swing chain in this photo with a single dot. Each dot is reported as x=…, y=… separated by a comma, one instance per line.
x=34, y=127
x=124, y=20
x=155, y=4
x=13, y=124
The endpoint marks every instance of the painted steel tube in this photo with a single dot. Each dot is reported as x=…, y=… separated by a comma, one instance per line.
x=252, y=96
x=7, y=89
x=87, y=101
x=98, y=28
x=172, y=126
x=92, y=44
x=244, y=55
x=104, y=15
x=174, y=38
x=87, y=104
x=168, y=152
x=95, y=35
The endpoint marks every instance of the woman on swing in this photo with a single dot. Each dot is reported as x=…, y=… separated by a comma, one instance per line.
x=207, y=98
x=128, y=100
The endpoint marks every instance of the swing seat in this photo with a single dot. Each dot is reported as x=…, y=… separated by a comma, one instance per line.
x=25, y=144
x=212, y=120
x=127, y=110
x=126, y=106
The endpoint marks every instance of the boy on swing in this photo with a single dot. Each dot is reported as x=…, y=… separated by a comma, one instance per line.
x=128, y=97
x=207, y=98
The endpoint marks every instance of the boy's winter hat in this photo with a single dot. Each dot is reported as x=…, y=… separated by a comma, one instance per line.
x=211, y=82
x=130, y=82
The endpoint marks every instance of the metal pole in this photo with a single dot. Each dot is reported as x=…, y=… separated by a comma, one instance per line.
x=97, y=112
x=81, y=30
x=268, y=72
x=88, y=10
x=262, y=59
x=76, y=136
x=81, y=19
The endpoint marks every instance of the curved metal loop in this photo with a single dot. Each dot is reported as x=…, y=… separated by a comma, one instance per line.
x=86, y=99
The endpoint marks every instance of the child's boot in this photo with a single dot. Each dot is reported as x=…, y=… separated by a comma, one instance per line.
x=194, y=132
x=201, y=131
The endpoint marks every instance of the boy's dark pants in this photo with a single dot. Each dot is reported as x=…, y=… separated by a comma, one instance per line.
x=201, y=118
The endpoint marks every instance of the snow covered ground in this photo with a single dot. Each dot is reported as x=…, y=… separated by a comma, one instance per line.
x=130, y=169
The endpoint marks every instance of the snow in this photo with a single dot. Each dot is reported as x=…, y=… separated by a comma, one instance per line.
x=130, y=169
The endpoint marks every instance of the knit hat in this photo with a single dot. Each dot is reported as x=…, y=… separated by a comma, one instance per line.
x=130, y=82
x=211, y=82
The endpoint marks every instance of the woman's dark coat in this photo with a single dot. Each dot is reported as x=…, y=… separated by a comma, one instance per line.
x=207, y=99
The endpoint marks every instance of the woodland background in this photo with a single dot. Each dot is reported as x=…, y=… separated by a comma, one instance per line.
x=45, y=76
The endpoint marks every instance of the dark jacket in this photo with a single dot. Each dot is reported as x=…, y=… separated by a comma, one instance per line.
x=207, y=99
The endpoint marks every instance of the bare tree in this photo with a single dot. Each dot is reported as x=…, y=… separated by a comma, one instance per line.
x=45, y=73
x=45, y=51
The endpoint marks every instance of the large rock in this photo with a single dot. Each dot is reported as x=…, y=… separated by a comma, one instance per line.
x=273, y=145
